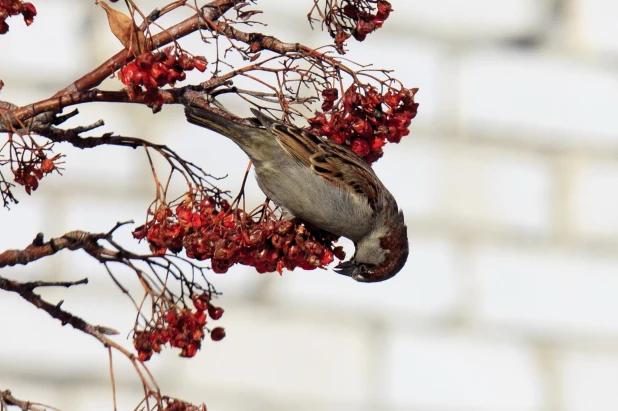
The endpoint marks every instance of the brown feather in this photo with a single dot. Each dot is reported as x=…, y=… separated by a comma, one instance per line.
x=334, y=163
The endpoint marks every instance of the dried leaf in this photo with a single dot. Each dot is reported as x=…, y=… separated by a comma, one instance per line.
x=125, y=30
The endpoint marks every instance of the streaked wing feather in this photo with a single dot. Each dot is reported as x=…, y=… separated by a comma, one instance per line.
x=297, y=143
x=332, y=162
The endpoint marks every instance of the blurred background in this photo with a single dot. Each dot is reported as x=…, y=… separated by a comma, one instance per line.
x=509, y=184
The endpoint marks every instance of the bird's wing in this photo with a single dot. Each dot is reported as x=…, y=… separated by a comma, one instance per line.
x=335, y=163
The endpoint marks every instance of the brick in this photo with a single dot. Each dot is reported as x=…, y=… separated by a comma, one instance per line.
x=532, y=98
x=588, y=380
x=414, y=173
x=547, y=293
x=427, y=285
x=497, y=189
x=471, y=187
x=460, y=372
x=594, y=199
x=592, y=25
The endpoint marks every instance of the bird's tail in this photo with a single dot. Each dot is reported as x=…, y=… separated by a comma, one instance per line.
x=214, y=121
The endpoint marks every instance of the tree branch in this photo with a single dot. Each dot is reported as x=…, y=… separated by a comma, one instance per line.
x=7, y=399
x=38, y=249
x=80, y=91
x=214, y=11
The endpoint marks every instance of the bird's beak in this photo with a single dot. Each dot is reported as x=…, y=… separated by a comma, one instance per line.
x=348, y=268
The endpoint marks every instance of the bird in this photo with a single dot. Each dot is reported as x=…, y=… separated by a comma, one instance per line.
x=321, y=183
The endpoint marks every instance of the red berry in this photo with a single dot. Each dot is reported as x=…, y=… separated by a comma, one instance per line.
x=170, y=318
x=277, y=241
x=200, y=317
x=170, y=59
x=330, y=94
x=140, y=77
x=361, y=147
x=159, y=73
x=350, y=11
x=127, y=73
x=47, y=166
x=28, y=11
x=377, y=143
x=190, y=350
x=293, y=252
x=362, y=128
x=339, y=253
x=199, y=303
x=384, y=9
x=256, y=237
x=200, y=63
x=219, y=266
x=207, y=204
x=217, y=334
x=215, y=312
x=327, y=257
x=140, y=232
x=229, y=221
x=174, y=75
x=186, y=62
x=145, y=60
x=144, y=356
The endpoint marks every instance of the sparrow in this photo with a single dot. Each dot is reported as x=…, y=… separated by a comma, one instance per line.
x=323, y=184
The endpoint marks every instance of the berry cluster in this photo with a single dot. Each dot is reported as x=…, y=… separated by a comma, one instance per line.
x=366, y=22
x=182, y=329
x=356, y=18
x=29, y=174
x=211, y=229
x=13, y=8
x=151, y=70
x=365, y=120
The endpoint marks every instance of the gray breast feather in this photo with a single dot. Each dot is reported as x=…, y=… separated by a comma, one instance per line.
x=314, y=200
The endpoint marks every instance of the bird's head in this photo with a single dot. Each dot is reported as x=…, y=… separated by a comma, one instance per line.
x=379, y=255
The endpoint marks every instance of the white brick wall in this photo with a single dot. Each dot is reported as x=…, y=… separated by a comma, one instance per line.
x=547, y=292
x=508, y=182
x=593, y=26
x=453, y=371
x=594, y=198
x=588, y=380
x=556, y=100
